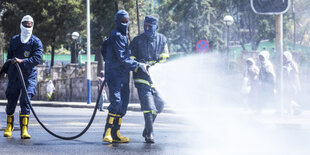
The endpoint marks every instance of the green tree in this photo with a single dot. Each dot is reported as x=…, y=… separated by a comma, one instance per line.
x=186, y=22
x=250, y=27
x=302, y=11
x=102, y=24
x=103, y=21
x=54, y=20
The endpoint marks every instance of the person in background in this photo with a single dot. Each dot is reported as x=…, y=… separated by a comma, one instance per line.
x=50, y=90
x=291, y=85
x=267, y=78
x=103, y=96
x=26, y=50
x=251, y=76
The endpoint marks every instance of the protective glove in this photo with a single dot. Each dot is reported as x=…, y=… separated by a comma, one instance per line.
x=144, y=67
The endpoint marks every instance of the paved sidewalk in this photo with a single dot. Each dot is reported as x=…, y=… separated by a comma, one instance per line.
x=131, y=106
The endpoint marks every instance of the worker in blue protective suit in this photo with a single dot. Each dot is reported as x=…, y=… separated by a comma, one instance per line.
x=26, y=50
x=117, y=67
x=151, y=48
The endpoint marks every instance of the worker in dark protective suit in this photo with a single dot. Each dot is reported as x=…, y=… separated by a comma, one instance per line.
x=117, y=67
x=26, y=50
x=151, y=48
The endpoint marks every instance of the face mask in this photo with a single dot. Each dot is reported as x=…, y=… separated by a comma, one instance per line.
x=123, y=27
x=25, y=32
x=151, y=31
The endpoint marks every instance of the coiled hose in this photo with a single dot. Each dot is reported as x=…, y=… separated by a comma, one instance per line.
x=21, y=78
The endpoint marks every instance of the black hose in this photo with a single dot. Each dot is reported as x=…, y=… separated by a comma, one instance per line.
x=21, y=78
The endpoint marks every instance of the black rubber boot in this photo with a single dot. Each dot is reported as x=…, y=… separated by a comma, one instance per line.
x=107, y=136
x=144, y=131
x=116, y=134
x=149, y=135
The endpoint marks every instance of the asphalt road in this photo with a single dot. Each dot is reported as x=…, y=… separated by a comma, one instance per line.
x=239, y=132
x=70, y=121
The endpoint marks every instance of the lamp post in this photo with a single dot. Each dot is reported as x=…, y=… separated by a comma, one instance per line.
x=294, y=18
x=88, y=74
x=229, y=20
x=74, y=54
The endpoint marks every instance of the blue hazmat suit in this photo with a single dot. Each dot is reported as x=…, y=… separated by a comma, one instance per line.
x=31, y=54
x=118, y=65
x=151, y=48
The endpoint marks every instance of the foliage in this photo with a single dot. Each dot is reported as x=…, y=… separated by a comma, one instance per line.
x=103, y=18
x=183, y=22
x=54, y=20
x=301, y=8
x=250, y=27
x=186, y=22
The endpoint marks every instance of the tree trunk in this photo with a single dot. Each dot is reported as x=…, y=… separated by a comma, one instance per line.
x=184, y=48
x=303, y=36
x=138, y=20
x=242, y=41
x=255, y=44
x=52, y=56
x=116, y=6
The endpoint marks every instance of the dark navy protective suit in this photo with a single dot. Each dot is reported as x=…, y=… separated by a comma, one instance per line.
x=150, y=48
x=117, y=67
x=31, y=54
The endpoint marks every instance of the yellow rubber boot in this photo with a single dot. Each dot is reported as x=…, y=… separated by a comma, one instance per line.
x=116, y=134
x=107, y=136
x=24, y=120
x=10, y=126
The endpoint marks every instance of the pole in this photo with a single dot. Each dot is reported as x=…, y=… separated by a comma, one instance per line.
x=138, y=20
x=52, y=56
x=1, y=56
x=75, y=51
x=227, y=40
x=294, y=18
x=88, y=55
x=279, y=49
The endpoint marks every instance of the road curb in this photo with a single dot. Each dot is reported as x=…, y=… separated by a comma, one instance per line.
x=35, y=103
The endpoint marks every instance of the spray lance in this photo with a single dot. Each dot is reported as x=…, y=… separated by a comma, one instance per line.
x=21, y=78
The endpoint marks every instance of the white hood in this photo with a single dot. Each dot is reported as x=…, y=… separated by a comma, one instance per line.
x=26, y=32
x=264, y=54
x=288, y=55
x=252, y=61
